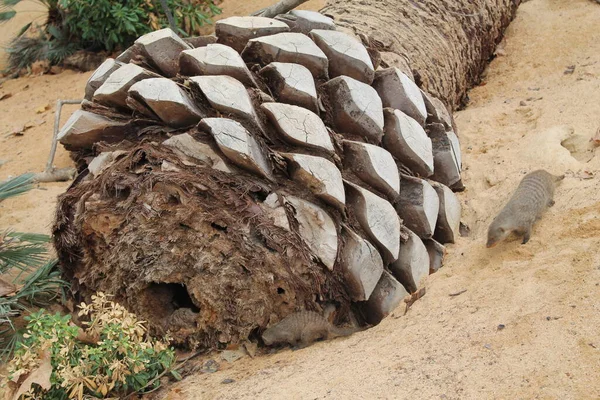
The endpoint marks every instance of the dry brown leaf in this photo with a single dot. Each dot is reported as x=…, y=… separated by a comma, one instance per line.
x=40, y=376
x=154, y=21
x=42, y=109
x=5, y=96
x=251, y=348
x=84, y=337
x=6, y=288
x=16, y=131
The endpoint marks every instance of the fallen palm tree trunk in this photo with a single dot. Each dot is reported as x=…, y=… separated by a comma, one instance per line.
x=223, y=187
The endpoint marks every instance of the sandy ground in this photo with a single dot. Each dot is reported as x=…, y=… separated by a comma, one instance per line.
x=527, y=324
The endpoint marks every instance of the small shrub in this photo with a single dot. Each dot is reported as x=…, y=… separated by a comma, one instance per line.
x=109, y=24
x=26, y=253
x=110, y=357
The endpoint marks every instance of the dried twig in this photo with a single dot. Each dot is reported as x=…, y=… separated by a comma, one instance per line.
x=169, y=14
x=281, y=7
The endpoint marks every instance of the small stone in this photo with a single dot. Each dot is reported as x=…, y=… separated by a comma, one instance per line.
x=237, y=31
x=378, y=219
x=304, y=21
x=357, y=107
x=238, y=145
x=501, y=326
x=361, y=265
x=185, y=144
x=317, y=229
x=387, y=295
x=464, y=230
x=569, y=70
x=227, y=95
x=167, y=100
x=215, y=59
x=319, y=175
x=210, y=367
x=298, y=125
x=412, y=264
x=288, y=47
x=408, y=142
x=399, y=92
x=84, y=128
x=231, y=356
x=347, y=56
x=373, y=165
x=99, y=76
x=291, y=84
x=163, y=48
x=113, y=92
x=227, y=381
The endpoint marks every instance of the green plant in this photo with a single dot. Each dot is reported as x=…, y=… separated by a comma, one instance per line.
x=104, y=24
x=16, y=186
x=111, y=356
x=39, y=289
x=113, y=24
x=27, y=253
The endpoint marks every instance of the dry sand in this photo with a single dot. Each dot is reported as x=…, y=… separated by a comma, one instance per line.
x=528, y=114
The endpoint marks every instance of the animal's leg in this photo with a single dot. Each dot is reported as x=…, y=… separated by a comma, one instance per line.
x=308, y=336
x=297, y=345
x=526, y=235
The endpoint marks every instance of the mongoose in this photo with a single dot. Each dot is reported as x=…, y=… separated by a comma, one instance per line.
x=302, y=328
x=531, y=198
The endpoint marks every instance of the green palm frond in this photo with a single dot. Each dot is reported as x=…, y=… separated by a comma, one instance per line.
x=30, y=237
x=24, y=50
x=22, y=250
x=16, y=186
x=43, y=286
x=38, y=289
x=6, y=11
x=22, y=256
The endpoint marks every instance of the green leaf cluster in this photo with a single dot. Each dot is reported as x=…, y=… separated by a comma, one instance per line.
x=98, y=25
x=111, y=357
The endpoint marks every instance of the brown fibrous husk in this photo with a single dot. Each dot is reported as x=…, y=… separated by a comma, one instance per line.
x=190, y=237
